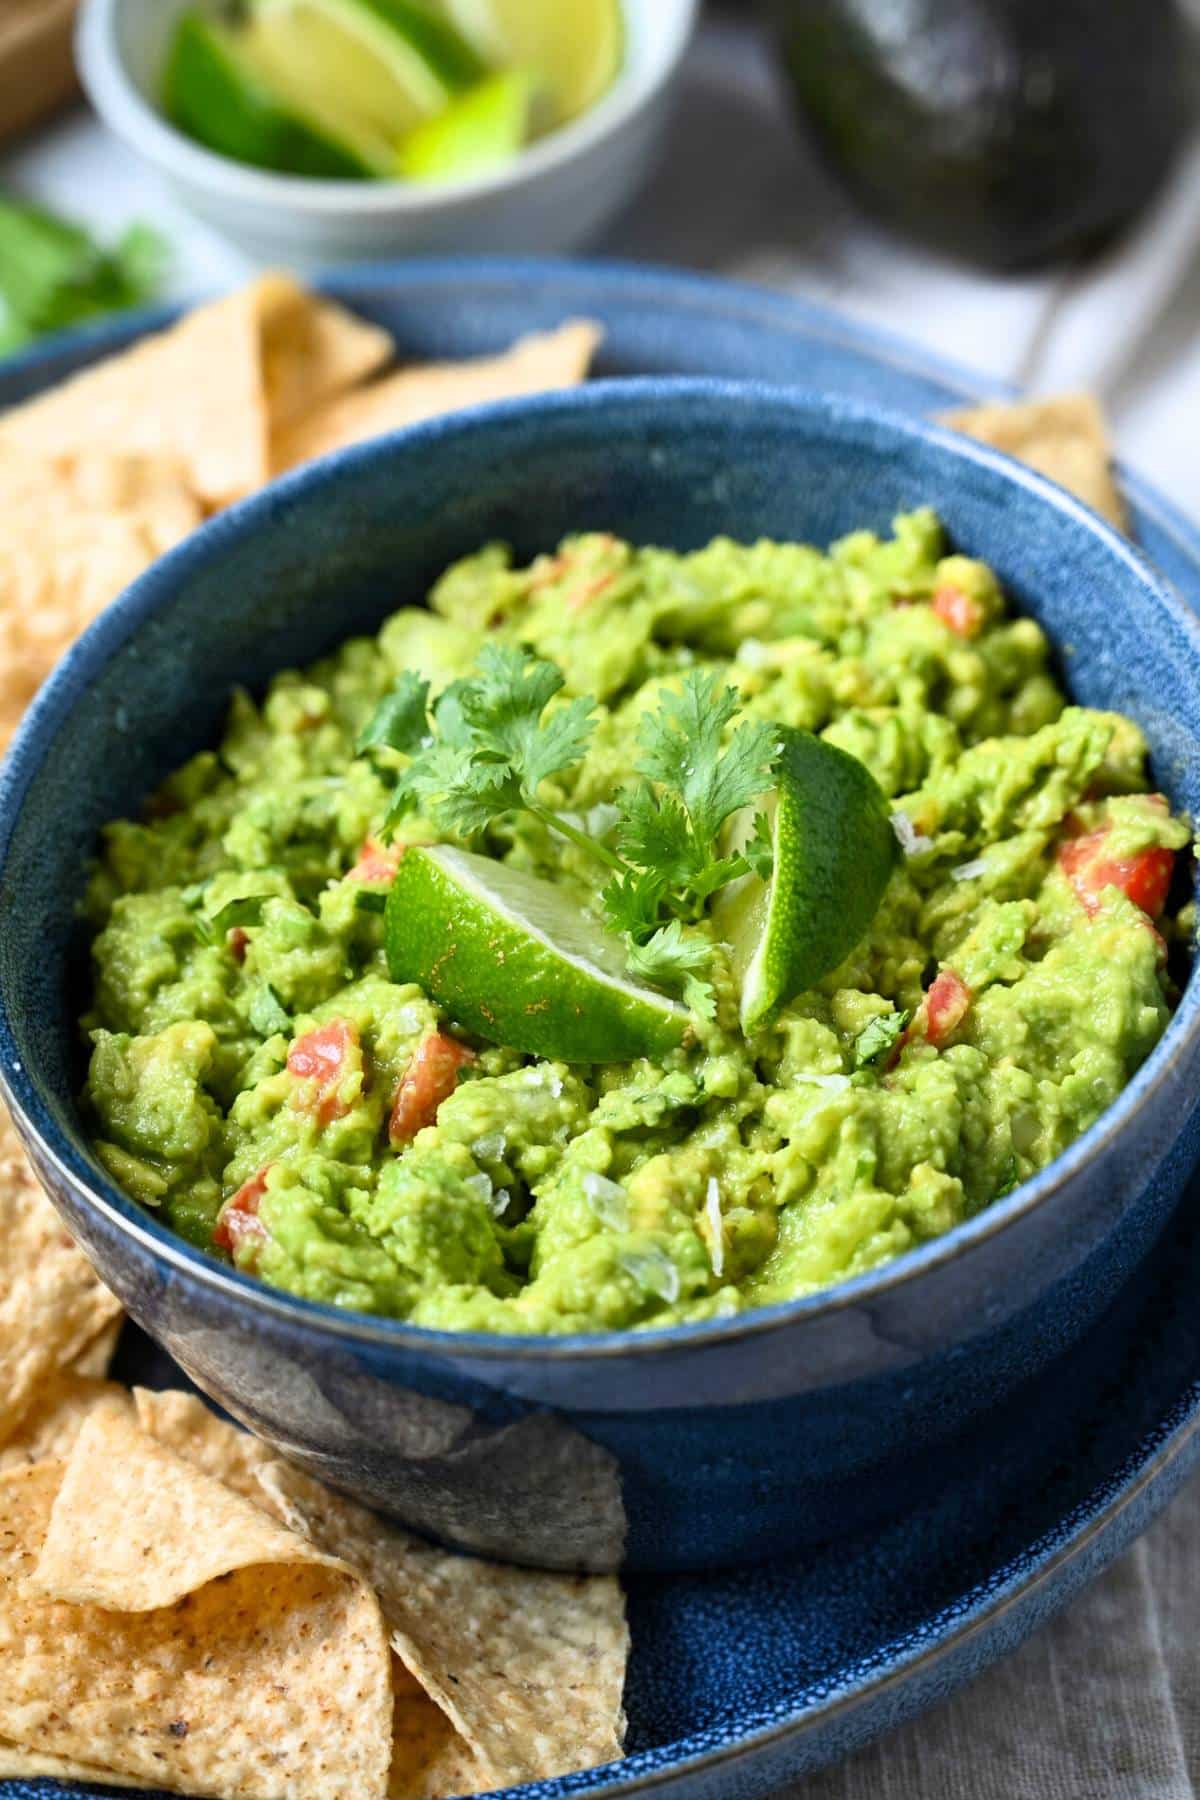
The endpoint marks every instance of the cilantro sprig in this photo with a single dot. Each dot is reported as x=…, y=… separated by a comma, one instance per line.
x=491, y=742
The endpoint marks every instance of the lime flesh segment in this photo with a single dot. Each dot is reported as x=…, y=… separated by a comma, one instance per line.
x=575, y=47
x=364, y=71
x=834, y=854
x=515, y=960
x=483, y=129
x=212, y=92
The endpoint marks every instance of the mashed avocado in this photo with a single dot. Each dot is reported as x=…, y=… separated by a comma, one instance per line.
x=258, y=1078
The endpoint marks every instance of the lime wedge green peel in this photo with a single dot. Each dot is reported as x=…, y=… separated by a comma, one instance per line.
x=516, y=961
x=316, y=87
x=834, y=853
x=213, y=94
x=483, y=129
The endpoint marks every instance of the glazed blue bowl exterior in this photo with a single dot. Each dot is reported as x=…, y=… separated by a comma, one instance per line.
x=686, y=1448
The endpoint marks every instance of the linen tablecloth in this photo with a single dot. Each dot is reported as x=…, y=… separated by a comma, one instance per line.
x=1105, y=1703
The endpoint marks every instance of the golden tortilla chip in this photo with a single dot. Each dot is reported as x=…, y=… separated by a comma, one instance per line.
x=429, y=1759
x=1065, y=438
x=530, y=1667
x=77, y=530
x=51, y=1304
x=192, y=1430
x=49, y=1429
x=27, y=1765
x=273, y=1680
x=537, y=364
x=312, y=350
x=194, y=393
x=208, y=391
x=95, y=1361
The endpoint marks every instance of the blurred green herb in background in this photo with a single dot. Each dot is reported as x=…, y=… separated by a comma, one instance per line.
x=54, y=274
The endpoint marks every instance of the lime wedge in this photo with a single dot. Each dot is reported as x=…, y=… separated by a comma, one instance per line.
x=834, y=852
x=213, y=93
x=575, y=47
x=364, y=72
x=483, y=129
x=514, y=959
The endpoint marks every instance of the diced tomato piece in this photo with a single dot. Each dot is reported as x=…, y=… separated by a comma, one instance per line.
x=238, y=1222
x=376, y=862
x=959, y=611
x=238, y=941
x=946, y=1006
x=324, y=1055
x=430, y=1078
x=1144, y=877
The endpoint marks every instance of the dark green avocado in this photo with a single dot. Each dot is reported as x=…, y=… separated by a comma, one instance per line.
x=1006, y=132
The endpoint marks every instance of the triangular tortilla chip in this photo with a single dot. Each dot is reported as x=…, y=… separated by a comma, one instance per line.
x=535, y=365
x=530, y=1667
x=195, y=393
x=1065, y=438
x=254, y=1669
x=95, y=1360
x=312, y=350
x=192, y=1430
x=429, y=1759
x=209, y=391
x=49, y=1429
x=51, y=1304
x=77, y=530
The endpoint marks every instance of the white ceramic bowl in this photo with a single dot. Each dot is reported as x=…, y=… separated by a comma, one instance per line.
x=555, y=196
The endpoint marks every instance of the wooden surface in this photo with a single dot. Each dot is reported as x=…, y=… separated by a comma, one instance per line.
x=37, y=70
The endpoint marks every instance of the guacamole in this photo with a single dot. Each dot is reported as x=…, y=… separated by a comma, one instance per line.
x=259, y=1079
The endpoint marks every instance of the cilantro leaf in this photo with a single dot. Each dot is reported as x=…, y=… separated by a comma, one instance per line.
x=632, y=902
x=681, y=748
x=504, y=707
x=401, y=720
x=675, y=958
x=878, y=1038
x=493, y=748
x=266, y=1012
x=53, y=274
x=759, y=851
x=691, y=784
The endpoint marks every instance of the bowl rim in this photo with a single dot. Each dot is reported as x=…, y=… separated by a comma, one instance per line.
x=127, y=112
x=152, y=592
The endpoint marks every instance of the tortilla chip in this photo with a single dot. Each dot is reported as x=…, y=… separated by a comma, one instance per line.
x=51, y=1304
x=192, y=1430
x=28, y=1765
x=96, y=1360
x=312, y=350
x=530, y=1667
x=50, y=1427
x=194, y=393
x=537, y=364
x=429, y=1759
x=272, y=1681
x=77, y=530
x=1065, y=438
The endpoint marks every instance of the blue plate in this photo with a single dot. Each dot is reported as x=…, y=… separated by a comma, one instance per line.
x=740, y=1682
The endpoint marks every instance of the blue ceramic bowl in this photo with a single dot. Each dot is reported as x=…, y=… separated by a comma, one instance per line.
x=680, y=1448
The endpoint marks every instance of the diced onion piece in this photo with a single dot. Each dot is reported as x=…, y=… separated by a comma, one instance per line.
x=910, y=840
